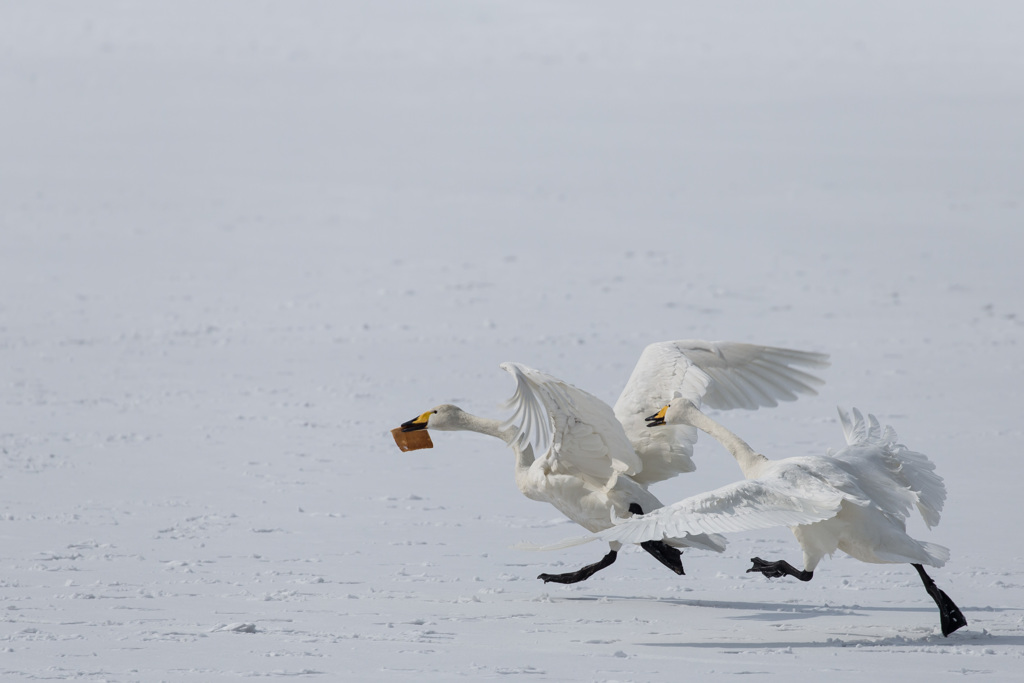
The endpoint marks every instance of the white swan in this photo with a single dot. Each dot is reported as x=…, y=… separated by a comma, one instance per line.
x=596, y=463
x=865, y=492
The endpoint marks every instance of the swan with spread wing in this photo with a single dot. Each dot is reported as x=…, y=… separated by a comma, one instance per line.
x=594, y=463
x=861, y=495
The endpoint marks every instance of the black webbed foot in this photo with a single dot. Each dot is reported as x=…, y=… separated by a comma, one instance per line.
x=950, y=616
x=666, y=554
x=778, y=569
x=661, y=551
x=581, y=574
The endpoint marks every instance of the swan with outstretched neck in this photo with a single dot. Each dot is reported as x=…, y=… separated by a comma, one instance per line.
x=594, y=463
x=584, y=501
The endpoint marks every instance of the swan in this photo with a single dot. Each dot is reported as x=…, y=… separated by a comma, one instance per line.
x=864, y=491
x=596, y=462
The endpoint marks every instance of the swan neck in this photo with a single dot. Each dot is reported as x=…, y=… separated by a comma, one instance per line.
x=491, y=427
x=488, y=426
x=749, y=460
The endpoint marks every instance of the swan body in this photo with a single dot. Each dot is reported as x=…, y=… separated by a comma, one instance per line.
x=863, y=494
x=876, y=480
x=594, y=464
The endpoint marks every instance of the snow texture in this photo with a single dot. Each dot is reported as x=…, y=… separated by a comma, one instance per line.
x=240, y=241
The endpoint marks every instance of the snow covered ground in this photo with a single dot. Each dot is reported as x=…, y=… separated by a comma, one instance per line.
x=240, y=241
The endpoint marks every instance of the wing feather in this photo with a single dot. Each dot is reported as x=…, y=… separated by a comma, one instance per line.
x=529, y=412
x=743, y=362
x=742, y=506
x=573, y=431
x=722, y=375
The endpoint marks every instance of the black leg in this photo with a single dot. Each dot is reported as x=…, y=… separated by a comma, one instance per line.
x=661, y=551
x=581, y=574
x=950, y=616
x=775, y=570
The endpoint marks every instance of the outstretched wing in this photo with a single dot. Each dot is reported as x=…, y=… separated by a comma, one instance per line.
x=572, y=432
x=722, y=375
x=894, y=477
x=742, y=506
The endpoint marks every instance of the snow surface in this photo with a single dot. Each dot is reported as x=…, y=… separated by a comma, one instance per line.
x=240, y=241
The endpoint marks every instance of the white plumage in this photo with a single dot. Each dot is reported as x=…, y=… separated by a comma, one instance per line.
x=861, y=496
x=873, y=478
x=594, y=463
x=768, y=501
x=721, y=375
x=892, y=475
x=724, y=375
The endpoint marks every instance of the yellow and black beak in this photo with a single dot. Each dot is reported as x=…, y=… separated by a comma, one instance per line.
x=418, y=423
x=657, y=419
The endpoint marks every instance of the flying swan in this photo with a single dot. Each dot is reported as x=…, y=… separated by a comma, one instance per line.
x=863, y=493
x=595, y=463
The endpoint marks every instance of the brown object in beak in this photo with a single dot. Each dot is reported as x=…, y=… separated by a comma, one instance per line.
x=412, y=441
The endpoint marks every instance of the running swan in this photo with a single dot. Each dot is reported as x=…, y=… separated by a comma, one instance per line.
x=595, y=462
x=865, y=489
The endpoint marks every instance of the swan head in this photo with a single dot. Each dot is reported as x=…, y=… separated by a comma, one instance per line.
x=673, y=413
x=444, y=417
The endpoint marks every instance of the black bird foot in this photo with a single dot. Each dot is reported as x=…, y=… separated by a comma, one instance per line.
x=776, y=570
x=580, y=574
x=666, y=554
x=950, y=616
x=571, y=577
x=661, y=551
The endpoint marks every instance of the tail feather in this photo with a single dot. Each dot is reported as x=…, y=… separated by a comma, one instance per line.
x=932, y=554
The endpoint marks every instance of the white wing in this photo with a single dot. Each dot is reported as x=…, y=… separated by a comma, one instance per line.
x=741, y=506
x=894, y=477
x=722, y=375
x=572, y=431
x=784, y=497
